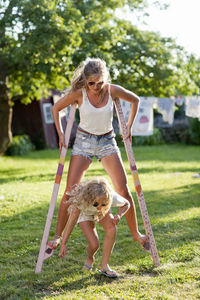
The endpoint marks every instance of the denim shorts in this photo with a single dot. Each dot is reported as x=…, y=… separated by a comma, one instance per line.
x=89, y=145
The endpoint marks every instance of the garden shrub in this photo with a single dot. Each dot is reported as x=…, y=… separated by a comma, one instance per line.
x=118, y=139
x=38, y=140
x=178, y=133
x=20, y=145
x=154, y=139
x=194, y=131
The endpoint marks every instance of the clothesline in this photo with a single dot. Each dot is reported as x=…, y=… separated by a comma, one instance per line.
x=143, y=124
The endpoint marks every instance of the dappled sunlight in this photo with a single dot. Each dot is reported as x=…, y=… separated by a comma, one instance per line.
x=176, y=181
x=172, y=168
x=165, y=153
x=182, y=215
x=172, y=197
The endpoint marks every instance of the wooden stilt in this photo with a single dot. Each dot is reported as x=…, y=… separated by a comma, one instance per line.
x=137, y=184
x=44, y=252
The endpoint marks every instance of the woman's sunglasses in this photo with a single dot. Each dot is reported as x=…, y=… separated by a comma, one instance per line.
x=92, y=83
x=96, y=204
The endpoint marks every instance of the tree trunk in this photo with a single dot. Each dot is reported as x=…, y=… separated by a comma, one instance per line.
x=5, y=115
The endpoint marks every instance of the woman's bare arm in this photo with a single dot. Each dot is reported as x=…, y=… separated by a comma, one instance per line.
x=62, y=103
x=122, y=93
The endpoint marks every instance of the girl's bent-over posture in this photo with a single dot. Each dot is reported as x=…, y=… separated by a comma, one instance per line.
x=91, y=201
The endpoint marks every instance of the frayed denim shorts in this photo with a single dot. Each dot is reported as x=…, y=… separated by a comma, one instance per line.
x=89, y=145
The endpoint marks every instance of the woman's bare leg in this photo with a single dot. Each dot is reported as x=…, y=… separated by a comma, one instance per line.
x=77, y=168
x=115, y=169
x=89, y=230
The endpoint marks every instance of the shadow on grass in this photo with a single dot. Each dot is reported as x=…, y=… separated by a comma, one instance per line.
x=161, y=203
x=171, y=171
x=44, y=176
x=14, y=174
x=21, y=235
x=20, y=238
x=30, y=178
x=164, y=153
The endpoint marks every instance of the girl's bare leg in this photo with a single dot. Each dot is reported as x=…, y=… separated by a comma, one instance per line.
x=115, y=169
x=77, y=168
x=109, y=241
x=89, y=230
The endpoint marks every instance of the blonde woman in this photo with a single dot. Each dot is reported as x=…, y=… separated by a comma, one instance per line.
x=91, y=201
x=94, y=95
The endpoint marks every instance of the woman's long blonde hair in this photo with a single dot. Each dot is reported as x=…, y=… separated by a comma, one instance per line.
x=89, y=67
x=86, y=193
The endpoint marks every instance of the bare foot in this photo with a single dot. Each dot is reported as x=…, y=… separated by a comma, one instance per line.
x=143, y=240
x=140, y=238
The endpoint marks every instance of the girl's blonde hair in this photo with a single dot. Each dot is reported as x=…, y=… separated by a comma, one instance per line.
x=89, y=67
x=86, y=193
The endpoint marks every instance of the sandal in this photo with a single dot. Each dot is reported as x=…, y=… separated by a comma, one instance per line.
x=53, y=244
x=105, y=273
x=87, y=267
x=48, y=252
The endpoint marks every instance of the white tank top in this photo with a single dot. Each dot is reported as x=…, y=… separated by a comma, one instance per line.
x=94, y=120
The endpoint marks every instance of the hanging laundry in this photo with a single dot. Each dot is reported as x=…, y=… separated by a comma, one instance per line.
x=143, y=124
x=155, y=102
x=179, y=101
x=126, y=107
x=192, y=107
x=166, y=108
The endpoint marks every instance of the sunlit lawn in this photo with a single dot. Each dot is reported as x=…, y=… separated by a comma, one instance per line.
x=172, y=196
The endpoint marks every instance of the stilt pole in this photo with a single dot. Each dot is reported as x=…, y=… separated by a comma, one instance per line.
x=42, y=254
x=137, y=184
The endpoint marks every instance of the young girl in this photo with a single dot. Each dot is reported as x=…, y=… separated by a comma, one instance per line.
x=91, y=201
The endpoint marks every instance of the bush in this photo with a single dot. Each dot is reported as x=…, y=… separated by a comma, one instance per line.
x=150, y=140
x=194, y=131
x=118, y=139
x=39, y=141
x=20, y=145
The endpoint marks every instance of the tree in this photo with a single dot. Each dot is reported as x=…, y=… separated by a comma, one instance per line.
x=151, y=65
x=39, y=42
x=43, y=41
x=192, y=68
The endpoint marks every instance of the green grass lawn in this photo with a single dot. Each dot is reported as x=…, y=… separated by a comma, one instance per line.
x=172, y=196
